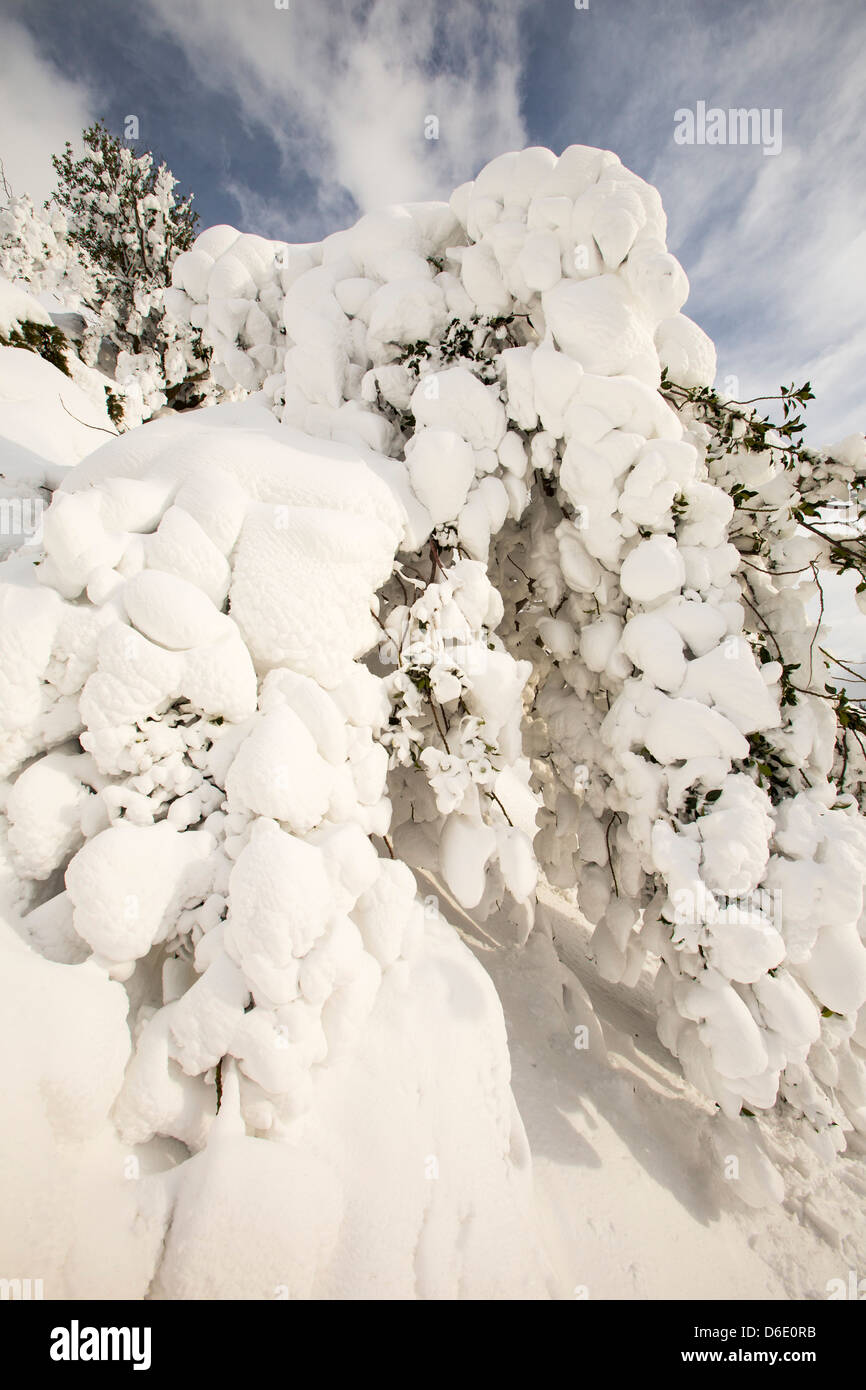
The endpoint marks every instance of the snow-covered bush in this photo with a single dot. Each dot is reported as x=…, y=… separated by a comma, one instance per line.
x=195, y=788
x=34, y=244
x=579, y=626
x=461, y=588
x=231, y=287
x=25, y=324
x=798, y=512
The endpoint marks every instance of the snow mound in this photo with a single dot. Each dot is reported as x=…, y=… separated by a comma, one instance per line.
x=208, y=862
x=47, y=424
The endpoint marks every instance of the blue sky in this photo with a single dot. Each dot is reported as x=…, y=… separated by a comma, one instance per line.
x=290, y=122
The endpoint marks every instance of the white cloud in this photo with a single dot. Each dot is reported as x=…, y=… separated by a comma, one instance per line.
x=40, y=109
x=345, y=90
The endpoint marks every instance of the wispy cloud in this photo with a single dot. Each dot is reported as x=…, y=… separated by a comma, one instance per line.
x=774, y=246
x=351, y=93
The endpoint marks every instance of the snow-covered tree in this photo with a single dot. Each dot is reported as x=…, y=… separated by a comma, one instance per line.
x=105, y=244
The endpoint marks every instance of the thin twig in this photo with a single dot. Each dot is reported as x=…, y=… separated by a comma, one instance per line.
x=512, y=561
x=831, y=540
x=814, y=569
x=770, y=573
x=115, y=434
x=441, y=730
x=615, y=816
x=858, y=675
x=766, y=628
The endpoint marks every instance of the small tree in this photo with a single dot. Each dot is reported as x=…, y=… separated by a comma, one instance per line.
x=105, y=243
x=127, y=226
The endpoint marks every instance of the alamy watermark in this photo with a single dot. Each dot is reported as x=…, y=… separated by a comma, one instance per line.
x=77, y=1343
x=736, y=126
x=21, y=1290
x=22, y=516
x=694, y=909
x=464, y=651
x=852, y=1288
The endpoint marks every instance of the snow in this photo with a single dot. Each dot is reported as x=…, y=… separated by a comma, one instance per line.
x=539, y=261
x=220, y=679
x=276, y=767
x=171, y=611
x=316, y=1214
x=406, y=311
x=329, y=561
x=679, y=728
x=277, y=772
x=496, y=693
x=18, y=306
x=181, y=547
x=729, y=679
x=579, y=569
x=836, y=969
x=735, y=833
x=43, y=809
x=441, y=469
x=618, y=1107
x=482, y=279
x=466, y=847
x=593, y=321
x=599, y=641
x=654, y=569
x=126, y=883
x=656, y=648
x=208, y=1015
x=455, y=398
x=68, y=1208
x=47, y=424
x=726, y=1027
x=303, y=752
x=787, y=1008
x=281, y=901
x=746, y=951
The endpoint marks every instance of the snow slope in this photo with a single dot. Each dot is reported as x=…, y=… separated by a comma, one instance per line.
x=630, y=1161
x=48, y=421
